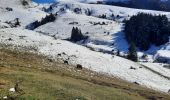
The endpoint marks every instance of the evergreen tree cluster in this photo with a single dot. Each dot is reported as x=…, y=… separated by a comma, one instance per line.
x=103, y=16
x=162, y=5
x=88, y=12
x=76, y=35
x=47, y=19
x=24, y=2
x=77, y=10
x=132, y=53
x=146, y=29
x=14, y=23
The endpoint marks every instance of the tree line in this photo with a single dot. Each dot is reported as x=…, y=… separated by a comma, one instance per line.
x=146, y=29
x=47, y=19
x=143, y=4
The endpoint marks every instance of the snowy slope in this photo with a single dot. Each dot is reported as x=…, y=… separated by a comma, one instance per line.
x=26, y=14
x=100, y=62
x=103, y=9
x=102, y=37
x=163, y=53
x=105, y=37
x=94, y=1
x=158, y=67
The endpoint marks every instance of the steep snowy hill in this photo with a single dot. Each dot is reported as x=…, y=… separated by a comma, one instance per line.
x=75, y=54
x=13, y=9
x=101, y=37
x=105, y=35
x=101, y=9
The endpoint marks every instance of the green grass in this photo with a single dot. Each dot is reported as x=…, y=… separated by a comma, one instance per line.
x=45, y=80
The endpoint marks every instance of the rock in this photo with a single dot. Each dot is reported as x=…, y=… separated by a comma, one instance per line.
x=50, y=60
x=10, y=39
x=136, y=83
x=9, y=9
x=132, y=68
x=79, y=66
x=12, y=89
x=5, y=97
x=59, y=54
x=65, y=62
x=64, y=53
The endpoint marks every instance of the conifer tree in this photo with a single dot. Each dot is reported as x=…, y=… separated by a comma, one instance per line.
x=76, y=35
x=132, y=54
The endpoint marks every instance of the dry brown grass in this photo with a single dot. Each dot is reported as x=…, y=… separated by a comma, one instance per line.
x=46, y=80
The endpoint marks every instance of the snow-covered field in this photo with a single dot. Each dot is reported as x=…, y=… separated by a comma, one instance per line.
x=158, y=67
x=26, y=14
x=107, y=37
x=77, y=54
x=123, y=12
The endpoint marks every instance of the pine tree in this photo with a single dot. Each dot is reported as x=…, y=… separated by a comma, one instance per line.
x=17, y=23
x=132, y=54
x=76, y=35
x=118, y=52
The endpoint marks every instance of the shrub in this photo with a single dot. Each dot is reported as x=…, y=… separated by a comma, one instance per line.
x=24, y=2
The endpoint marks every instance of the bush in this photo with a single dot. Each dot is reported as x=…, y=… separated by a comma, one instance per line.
x=102, y=16
x=167, y=66
x=24, y=2
x=79, y=67
x=77, y=10
x=144, y=56
x=88, y=12
x=9, y=9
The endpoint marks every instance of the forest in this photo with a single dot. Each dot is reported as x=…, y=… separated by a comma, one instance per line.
x=146, y=29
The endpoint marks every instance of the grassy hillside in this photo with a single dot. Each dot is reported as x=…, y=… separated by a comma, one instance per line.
x=43, y=79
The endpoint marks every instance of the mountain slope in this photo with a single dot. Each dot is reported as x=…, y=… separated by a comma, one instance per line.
x=105, y=36
x=13, y=9
x=108, y=37
x=42, y=79
x=76, y=54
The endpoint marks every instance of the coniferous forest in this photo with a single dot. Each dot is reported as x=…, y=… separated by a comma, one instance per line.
x=143, y=4
x=146, y=29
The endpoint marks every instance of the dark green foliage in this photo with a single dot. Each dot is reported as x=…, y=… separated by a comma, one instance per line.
x=76, y=35
x=102, y=16
x=77, y=10
x=132, y=54
x=17, y=23
x=145, y=29
x=24, y=2
x=118, y=52
x=144, y=56
x=143, y=4
x=47, y=19
x=88, y=12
